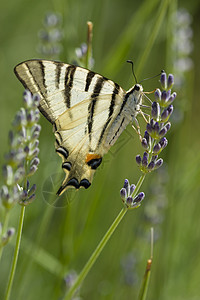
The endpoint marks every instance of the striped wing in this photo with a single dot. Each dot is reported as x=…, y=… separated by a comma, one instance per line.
x=84, y=108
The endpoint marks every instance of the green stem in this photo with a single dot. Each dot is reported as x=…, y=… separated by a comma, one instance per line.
x=145, y=284
x=5, y=226
x=95, y=254
x=16, y=253
x=100, y=246
x=89, y=45
x=139, y=183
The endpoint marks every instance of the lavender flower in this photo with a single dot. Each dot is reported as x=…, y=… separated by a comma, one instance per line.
x=51, y=36
x=22, y=159
x=182, y=45
x=154, y=140
x=127, y=195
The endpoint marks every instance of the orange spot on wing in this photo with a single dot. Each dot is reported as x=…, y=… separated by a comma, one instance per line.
x=91, y=156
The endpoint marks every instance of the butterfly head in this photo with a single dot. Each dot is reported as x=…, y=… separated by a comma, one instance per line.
x=134, y=98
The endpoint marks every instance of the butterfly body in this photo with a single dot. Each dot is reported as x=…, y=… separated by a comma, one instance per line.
x=88, y=113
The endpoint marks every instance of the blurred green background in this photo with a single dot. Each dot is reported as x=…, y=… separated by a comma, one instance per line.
x=60, y=237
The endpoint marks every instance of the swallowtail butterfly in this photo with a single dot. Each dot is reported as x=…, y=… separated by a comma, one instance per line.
x=88, y=113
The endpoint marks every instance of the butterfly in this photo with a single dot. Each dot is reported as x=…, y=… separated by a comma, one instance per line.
x=88, y=113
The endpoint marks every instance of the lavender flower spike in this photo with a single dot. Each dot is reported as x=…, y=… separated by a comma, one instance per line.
x=126, y=194
x=154, y=140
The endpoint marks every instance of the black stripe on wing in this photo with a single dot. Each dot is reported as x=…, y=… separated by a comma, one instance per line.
x=89, y=77
x=58, y=73
x=111, y=110
x=91, y=108
x=69, y=78
x=40, y=85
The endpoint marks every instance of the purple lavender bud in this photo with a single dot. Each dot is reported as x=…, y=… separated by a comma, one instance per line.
x=127, y=186
x=27, y=98
x=17, y=120
x=138, y=159
x=31, y=198
x=157, y=95
x=32, y=190
x=11, y=138
x=36, y=127
x=35, y=131
x=26, y=149
x=126, y=183
x=156, y=148
x=144, y=143
x=168, y=126
x=154, y=157
x=151, y=165
x=170, y=81
x=152, y=123
x=6, y=237
x=70, y=279
x=35, y=143
x=37, y=116
x=8, y=174
x=35, y=161
x=84, y=48
x=4, y=194
x=170, y=109
x=149, y=128
x=139, y=198
x=22, y=117
x=19, y=174
x=163, y=80
x=23, y=133
x=10, y=232
x=145, y=159
x=35, y=152
x=156, y=127
x=129, y=201
x=146, y=136
x=155, y=110
x=35, y=135
x=27, y=185
x=132, y=188
x=32, y=170
x=164, y=115
x=164, y=97
x=30, y=117
x=164, y=130
x=163, y=142
x=36, y=100
x=123, y=193
x=172, y=97
x=159, y=163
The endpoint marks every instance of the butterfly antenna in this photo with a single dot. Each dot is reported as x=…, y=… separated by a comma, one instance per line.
x=131, y=62
x=162, y=71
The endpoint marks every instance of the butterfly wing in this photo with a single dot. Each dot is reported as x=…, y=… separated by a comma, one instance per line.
x=83, y=107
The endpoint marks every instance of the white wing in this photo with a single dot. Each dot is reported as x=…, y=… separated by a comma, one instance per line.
x=85, y=110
